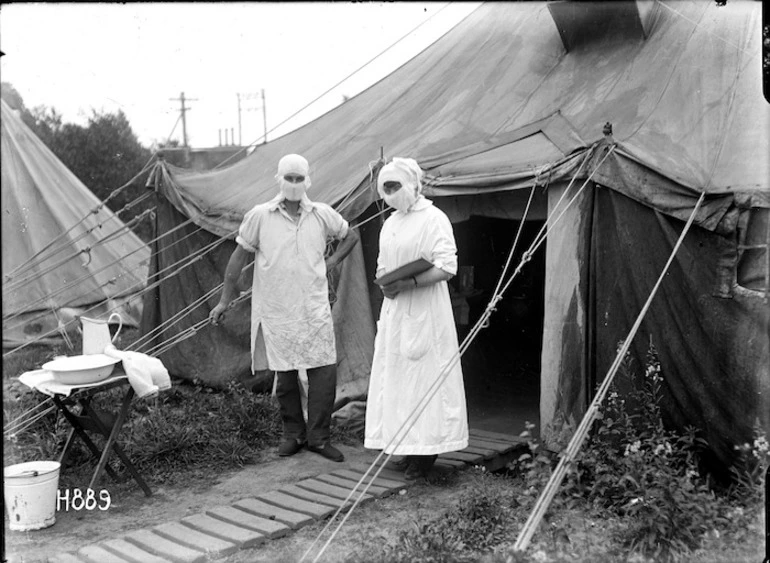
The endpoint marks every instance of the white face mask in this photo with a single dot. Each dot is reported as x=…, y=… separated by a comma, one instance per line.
x=402, y=200
x=293, y=192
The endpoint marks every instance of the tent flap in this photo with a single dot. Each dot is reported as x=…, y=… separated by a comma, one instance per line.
x=702, y=341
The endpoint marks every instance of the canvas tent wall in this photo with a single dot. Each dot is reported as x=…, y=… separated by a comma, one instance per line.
x=61, y=257
x=510, y=99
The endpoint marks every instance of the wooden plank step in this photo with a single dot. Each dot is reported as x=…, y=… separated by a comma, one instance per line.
x=350, y=485
x=304, y=494
x=487, y=435
x=210, y=545
x=242, y=537
x=295, y=504
x=499, y=447
x=73, y=558
x=392, y=485
x=320, y=487
x=237, y=517
x=294, y=520
x=472, y=459
x=452, y=464
x=97, y=554
x=163, y=547
x=129, y=551
x=499, y=436
x=485, y=453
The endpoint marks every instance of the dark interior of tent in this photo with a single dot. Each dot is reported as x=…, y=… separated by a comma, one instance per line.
x=501, y=366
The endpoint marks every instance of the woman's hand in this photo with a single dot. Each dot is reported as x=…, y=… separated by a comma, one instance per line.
x=393, y=289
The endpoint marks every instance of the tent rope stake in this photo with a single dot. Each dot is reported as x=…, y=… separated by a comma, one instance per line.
x=548, y=493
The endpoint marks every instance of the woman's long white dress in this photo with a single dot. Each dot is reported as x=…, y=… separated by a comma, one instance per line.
x=416, y=345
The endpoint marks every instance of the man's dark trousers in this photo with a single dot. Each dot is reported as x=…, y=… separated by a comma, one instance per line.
x=322, y=387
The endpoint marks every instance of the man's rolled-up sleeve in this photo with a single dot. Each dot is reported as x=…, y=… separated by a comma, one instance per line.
x=336, y=225
x=248, y=232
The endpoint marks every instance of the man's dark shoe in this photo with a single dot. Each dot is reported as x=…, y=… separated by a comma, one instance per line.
x=328, y=451
x=289, y=447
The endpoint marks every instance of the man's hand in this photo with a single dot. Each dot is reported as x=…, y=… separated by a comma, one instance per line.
x=217, y=313
x=393, y=289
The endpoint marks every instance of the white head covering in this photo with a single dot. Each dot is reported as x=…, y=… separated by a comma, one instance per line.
x=406, y=171
x=293, y=164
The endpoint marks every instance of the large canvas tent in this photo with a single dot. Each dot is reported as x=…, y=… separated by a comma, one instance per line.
x=64, y=253
x=517, y=96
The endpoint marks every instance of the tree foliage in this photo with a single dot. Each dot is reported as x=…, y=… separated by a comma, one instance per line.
x=105, y=155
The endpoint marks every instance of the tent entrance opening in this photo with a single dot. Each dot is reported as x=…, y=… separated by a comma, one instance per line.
x=501, y=367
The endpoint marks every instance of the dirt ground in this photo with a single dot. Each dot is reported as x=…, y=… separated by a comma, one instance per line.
x=132, y=510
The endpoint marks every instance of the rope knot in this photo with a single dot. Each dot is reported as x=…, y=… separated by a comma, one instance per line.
x=87, y=252
x=491, y=308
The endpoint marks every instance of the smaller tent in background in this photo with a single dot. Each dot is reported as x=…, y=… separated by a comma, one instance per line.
x=64, y=252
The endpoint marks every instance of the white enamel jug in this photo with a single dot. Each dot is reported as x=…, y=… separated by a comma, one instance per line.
x=96, y=334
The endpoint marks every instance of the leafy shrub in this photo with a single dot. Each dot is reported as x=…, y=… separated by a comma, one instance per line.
x=749, y=470
x=633, y=468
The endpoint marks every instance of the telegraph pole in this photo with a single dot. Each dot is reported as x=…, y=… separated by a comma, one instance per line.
x=184, y=111
x=264, y=111
x=264, y=116
x=240, y=140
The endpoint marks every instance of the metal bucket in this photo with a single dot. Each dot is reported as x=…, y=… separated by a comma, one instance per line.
x=30, y=491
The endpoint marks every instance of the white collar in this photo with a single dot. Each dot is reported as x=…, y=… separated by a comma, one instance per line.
x=419, y=204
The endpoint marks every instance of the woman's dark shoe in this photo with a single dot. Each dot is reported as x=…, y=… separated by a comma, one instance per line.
x=412, y=472
x=402, y=463
x=419, y=466
x=289, y=447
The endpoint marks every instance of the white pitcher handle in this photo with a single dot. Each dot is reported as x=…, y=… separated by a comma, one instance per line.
x=120, y=324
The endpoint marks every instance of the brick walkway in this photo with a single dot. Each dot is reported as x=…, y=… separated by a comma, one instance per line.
x=222, y=530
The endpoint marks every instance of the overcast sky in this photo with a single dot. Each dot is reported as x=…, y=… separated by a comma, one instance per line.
x=138, y=57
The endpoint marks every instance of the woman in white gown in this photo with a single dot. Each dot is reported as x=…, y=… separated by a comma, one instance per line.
x=416, y=342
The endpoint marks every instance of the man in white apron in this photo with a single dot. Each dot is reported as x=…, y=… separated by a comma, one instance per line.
x=291, y=322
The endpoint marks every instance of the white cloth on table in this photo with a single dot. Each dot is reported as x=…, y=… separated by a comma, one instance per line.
x=291, y=321
x=416, y=340
x=44, y=381
x=147, y=375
